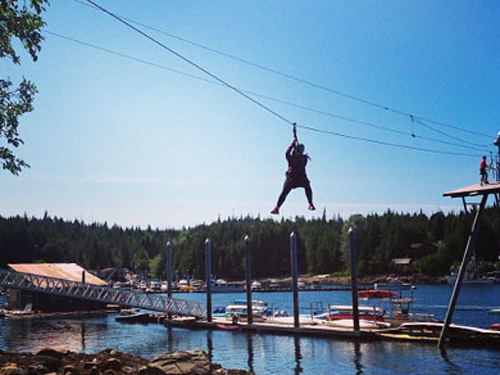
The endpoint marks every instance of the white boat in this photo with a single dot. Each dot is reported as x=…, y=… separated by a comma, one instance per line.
x=471, y=275
x=290, y=320
x=393, y=284
x=469, y=278
x=495, y=311
x=347, y=310
x=349, y=323
x=400, y=312
x=223, y=286
x=256, y=285
x=238, y=308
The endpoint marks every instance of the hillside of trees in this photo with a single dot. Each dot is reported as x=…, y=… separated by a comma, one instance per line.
x=322, y=244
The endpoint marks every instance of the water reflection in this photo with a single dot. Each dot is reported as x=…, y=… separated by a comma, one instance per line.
x=451, y=367
x=33, y=335
x=357, y=358
x=83, y=335
x=250, y=353
x=257, y=353
x=210, y=348
x=298, y=356
x=170, y=339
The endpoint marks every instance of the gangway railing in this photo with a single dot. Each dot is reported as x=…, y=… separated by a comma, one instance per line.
x=90, y=292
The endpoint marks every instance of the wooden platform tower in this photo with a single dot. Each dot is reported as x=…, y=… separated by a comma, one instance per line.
x=468, y=192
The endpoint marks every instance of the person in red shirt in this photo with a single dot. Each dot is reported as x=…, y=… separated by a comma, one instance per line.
x=482, y=171
x=296, y=174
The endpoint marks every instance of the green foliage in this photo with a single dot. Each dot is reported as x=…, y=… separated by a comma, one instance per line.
x=23, y=23
x=323, y=245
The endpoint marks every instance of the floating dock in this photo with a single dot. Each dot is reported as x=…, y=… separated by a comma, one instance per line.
x=268, y=327
x=416, y=332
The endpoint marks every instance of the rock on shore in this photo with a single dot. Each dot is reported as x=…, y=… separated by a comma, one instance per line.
x=110, y=362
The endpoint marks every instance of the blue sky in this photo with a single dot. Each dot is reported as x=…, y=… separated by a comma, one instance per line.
x=134, y=143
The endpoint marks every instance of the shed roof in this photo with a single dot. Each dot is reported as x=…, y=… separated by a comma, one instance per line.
x=66, y=271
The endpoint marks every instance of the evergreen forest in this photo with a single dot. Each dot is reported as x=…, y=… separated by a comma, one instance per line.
x=322, y=244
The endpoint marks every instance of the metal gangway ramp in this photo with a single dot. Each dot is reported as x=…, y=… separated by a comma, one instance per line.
x=67, y=288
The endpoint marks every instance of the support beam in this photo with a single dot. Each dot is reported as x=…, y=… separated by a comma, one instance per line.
x=465, y=205
x=463, y=268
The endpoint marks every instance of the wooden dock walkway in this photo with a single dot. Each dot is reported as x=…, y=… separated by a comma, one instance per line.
x=316, y=330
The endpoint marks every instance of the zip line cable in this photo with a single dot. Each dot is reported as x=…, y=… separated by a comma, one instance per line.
x=191, y=62
x=142, y=61
x=288, y=103
x=368, y=140
x=294, y=78
x=420, y=122
x=324, y=113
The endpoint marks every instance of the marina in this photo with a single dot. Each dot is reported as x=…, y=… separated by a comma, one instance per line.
x=263, y=352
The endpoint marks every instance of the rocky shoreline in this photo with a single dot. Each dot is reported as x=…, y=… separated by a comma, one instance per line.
x=346, y=280
x=110, y=362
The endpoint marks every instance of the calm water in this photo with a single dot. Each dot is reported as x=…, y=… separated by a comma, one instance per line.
x=270, y=354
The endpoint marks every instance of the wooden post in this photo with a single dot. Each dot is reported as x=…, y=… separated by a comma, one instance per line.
x=354, y=279
x=169, y=270
x=208, y=270
x=463, y=268
x=248, y=279
x=295, y=271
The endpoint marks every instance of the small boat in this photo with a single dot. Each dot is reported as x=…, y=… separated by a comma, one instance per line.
x=471, y=275
x=256, y=285
x=363, y=323
x=336, y=312
x=26, y=312
x=431, y=331
x=282, y=317
x=393, y=284
x=229, y=327
x=223, y=286
x=495, y=326
x=135, y=317
x=495, y=311
x=376, y=293
x=238, y=308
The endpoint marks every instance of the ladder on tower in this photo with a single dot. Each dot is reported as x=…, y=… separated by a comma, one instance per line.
x=72, y=289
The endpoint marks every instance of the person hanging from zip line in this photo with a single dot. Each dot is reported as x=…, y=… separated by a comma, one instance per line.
x=296, y=174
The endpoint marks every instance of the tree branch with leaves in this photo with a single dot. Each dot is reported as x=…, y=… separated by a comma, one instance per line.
x=21, y=21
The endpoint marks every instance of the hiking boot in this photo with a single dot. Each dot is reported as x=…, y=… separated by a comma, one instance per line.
x=275, y=211
x=311, y=207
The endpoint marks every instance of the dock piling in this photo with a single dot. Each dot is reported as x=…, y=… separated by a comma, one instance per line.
x=248, y=279
x=354, y=278
x=208, y=271
x=169, y=273
x=295, y=271
x=169, y=269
